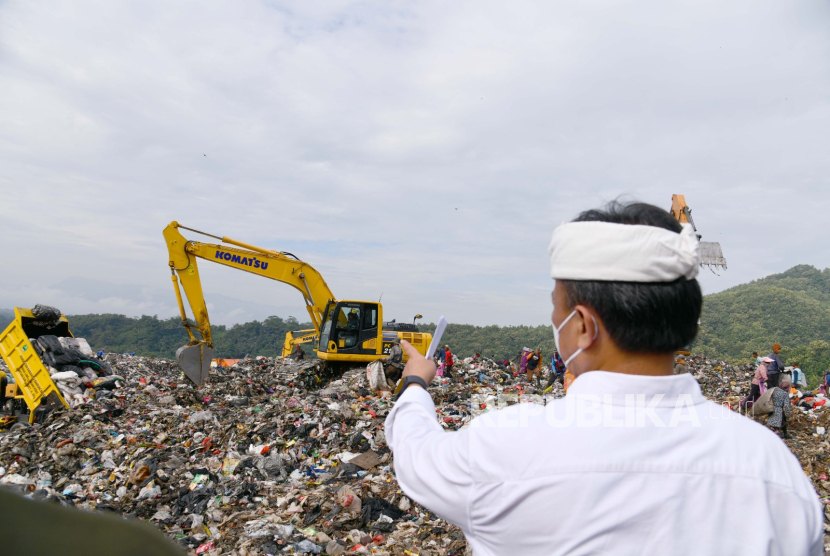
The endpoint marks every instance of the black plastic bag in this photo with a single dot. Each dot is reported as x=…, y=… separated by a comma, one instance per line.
x=194, y=502
x=50, y=343
x=55, y=355
x=46, y=313
x=68, y=356
x=373, y=508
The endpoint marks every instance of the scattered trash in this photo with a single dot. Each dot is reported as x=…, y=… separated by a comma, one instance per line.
x=267, y=457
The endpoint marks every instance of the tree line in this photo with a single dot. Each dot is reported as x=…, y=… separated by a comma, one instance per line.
x=791, y=308
x=151, y=336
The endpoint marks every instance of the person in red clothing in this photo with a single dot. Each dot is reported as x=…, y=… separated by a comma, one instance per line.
x=448, y=362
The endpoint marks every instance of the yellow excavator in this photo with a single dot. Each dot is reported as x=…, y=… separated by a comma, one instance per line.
x=347, y=332
x=295, y=337
x=711, y=254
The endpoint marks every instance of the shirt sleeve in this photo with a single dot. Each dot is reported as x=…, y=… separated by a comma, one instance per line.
x=432, y=466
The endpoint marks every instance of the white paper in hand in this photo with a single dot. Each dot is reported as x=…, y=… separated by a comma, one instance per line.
x=436, y=338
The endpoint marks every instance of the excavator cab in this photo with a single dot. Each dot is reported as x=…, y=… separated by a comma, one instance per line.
x=350, y=328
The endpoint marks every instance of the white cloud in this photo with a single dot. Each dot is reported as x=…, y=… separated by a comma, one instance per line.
x=349, y=132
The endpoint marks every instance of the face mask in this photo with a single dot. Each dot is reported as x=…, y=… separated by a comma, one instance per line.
x=561, y=326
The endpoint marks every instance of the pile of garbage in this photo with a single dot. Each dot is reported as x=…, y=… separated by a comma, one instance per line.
x=270, y=458
x=254, y=462
x=74, y=368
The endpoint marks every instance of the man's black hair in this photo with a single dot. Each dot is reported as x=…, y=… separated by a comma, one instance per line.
x=640, y=317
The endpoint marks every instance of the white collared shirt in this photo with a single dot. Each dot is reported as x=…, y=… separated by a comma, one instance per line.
x=624, y=464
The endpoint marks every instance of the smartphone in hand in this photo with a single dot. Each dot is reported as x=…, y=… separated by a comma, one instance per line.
x=436, y=338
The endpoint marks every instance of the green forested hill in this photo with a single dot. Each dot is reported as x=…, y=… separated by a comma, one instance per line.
x=156, y=337
x=494, y=341
x=160, y=338
x=791, y=308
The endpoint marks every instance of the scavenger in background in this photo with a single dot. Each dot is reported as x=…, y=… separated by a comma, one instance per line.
x=758, y=382
x=394, y=361
x=687, y=479
x=780, y=408
x=775, y=367
x=534, y=366
x=799, y=378
x=448, y=362
x=557, y=372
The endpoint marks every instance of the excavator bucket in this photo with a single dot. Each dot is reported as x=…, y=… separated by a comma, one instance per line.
x=711, y=255
x=195, y=362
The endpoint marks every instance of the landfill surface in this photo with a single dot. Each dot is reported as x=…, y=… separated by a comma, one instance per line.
x=268, y=458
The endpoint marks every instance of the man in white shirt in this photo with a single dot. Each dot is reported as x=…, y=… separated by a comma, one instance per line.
x=633, y=460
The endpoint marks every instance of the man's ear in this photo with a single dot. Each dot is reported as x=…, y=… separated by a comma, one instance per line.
x=588, y=326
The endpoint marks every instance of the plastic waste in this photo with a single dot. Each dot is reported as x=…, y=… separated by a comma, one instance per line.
x=262, y=457
x=201, y=416
x=375, y=376
x=308, y=546
x=149, y=491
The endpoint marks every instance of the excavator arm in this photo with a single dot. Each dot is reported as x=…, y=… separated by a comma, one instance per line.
x=298, y=337
x=711, y=254
x=194, y=358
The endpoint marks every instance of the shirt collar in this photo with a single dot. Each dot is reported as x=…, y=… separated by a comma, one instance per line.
x=601, y=383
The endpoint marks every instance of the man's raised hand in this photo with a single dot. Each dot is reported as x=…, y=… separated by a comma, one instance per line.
x=417, y=365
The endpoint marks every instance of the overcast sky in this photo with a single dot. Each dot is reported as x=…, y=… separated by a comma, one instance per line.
x=420, y=150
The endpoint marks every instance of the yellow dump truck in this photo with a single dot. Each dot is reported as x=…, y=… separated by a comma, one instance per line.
x=30, y=387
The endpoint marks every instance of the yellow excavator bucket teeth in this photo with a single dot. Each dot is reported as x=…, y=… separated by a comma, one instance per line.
x=195, y=362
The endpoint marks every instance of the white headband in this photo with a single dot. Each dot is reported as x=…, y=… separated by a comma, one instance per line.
x=609, y=252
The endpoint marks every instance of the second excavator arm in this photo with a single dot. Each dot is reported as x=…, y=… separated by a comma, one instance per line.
x=267, y=263
x=711, y=254
x=292, y=338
